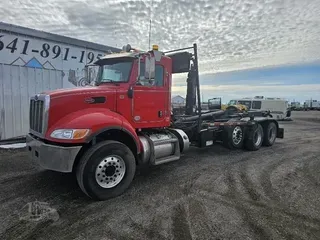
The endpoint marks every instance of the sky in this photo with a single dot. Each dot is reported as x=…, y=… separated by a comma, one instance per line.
x=246, y=47
x=297, y=82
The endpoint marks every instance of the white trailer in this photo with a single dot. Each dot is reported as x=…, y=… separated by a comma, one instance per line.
x=312, y=104
x=279, y=107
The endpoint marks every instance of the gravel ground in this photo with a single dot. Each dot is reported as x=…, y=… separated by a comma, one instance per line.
x=209, y=194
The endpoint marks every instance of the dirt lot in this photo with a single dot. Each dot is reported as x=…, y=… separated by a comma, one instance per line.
x=273, y=193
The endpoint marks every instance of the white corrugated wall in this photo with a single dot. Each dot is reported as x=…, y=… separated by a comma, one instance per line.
x=17, y=85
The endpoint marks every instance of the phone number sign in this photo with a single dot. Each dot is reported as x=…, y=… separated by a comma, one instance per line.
x=20, y=50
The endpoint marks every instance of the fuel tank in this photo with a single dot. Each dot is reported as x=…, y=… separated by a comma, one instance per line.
x=163, y=146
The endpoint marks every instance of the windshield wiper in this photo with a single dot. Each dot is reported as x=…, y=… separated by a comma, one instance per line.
x=109, y=80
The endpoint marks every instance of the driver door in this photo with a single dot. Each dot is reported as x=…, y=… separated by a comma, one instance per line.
x=150, y=99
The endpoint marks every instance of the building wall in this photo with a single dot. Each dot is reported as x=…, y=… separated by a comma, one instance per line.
x=17, y=85
x=32, y=61
x=178, y=100
x=19, y=50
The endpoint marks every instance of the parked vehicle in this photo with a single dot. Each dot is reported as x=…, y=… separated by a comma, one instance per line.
x=215, y=103
x=312, y=104
x=296, y=106
x=103, y=132
x=278, y=107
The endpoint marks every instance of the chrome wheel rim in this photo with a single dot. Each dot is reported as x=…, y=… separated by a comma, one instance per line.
x=272, y=134
x=110, y=171
x=237, y=135
x=257, y=138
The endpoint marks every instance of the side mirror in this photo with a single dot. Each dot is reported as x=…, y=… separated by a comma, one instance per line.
x=150, y=66
x=86, y=80
x=91, y=72
x=214, y=103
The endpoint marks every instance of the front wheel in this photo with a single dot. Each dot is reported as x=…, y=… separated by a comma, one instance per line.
x=106, y=170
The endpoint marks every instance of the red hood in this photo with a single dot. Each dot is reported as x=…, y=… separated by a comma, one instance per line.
x=89, y=90
x=66, y=101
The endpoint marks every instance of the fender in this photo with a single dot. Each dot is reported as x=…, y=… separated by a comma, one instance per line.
x=96, y=119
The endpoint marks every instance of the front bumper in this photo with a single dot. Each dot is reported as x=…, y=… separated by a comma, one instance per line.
x=52, y=157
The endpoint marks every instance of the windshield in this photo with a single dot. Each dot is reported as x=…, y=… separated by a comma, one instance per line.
x=232, y=102
x=114, y=72
x=214, y=101
x=246, y=103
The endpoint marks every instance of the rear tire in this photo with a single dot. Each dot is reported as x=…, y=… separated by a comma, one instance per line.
x=106, y=170
x=254, y=138
x=270, y=134
x=233, y=137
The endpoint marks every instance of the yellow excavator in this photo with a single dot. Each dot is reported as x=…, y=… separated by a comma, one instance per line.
x=215, y=103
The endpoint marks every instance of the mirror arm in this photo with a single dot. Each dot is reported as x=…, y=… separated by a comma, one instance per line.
x=138, y=77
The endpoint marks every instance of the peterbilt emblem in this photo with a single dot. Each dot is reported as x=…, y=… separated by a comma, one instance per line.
x=36, y=97
x=95, y=100
x=89, y=100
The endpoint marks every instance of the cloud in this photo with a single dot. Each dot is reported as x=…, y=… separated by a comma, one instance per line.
x=231, y=35
x=241, y=43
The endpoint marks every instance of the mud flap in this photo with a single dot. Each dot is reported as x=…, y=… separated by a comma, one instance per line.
x=205, y=138
x=280, y=133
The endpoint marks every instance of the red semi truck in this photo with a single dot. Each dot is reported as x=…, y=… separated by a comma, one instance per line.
x=102, y=132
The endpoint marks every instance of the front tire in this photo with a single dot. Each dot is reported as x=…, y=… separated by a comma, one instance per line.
x=254, y=138
x=106, y=170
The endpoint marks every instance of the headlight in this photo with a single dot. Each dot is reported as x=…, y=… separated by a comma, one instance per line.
x=70, y=133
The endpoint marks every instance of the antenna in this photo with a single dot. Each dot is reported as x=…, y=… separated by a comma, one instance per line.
x=150, y=24
x=150, y=35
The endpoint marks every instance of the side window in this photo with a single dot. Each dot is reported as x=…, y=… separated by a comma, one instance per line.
x=256, y=105
x=159, y=76
x=246, y=103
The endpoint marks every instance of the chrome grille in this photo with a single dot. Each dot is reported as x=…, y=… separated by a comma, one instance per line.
x=38, y=114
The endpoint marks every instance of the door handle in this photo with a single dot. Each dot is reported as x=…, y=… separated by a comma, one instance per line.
x=160, y=114
x=130, y=92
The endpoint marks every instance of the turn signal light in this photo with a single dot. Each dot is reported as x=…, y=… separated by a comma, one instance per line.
x=74, y=134
x=80, y=133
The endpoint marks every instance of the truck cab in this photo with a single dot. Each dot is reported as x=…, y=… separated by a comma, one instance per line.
x=143, y=102
x=125, y=108
x=122, y=95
